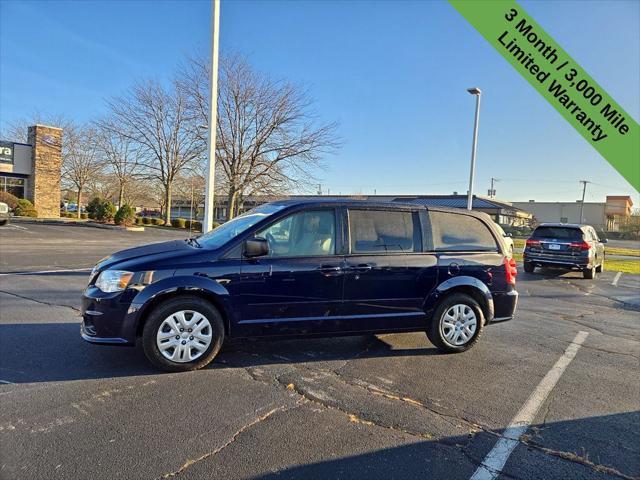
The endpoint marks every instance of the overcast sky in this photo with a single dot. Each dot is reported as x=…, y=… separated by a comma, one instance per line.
x=393, y=74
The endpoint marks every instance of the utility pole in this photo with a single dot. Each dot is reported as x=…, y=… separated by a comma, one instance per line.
x=209, y=193
x=477, y=92
x=584, y=190
x=492, y=191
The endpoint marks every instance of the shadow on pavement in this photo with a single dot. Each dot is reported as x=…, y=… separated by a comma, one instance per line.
x=46, y=352
x=601, y=447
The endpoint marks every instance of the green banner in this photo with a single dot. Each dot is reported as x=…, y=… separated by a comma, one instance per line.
x=559, y=79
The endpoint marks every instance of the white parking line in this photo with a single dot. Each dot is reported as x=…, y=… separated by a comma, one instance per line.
x=15, y=227
x=42, y=272
x=616, y=278
x=496, y=459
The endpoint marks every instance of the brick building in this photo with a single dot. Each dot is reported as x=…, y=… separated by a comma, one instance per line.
x=32, y=170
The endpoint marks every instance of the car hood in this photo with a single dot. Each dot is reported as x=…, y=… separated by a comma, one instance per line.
x=152, y=251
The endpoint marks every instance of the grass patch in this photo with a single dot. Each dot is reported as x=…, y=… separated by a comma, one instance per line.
x=632, y=252
x=624, y=266
x=519, y=242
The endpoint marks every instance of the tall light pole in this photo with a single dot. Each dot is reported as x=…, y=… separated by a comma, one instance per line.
x=477, y=92
x=209, y=193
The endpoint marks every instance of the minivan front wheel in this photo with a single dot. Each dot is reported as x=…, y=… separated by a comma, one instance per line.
x=456, y=324
x=182, y=334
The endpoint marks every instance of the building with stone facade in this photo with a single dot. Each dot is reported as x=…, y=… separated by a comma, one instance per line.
x=32, y=170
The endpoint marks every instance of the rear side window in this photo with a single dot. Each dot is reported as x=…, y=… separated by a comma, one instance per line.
x=561, y=233
x=451, y=231
x=380, y=231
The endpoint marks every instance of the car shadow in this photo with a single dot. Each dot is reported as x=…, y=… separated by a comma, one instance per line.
x=47, y=352
x=595, y=447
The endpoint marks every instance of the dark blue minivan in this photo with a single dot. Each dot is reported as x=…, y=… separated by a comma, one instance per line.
x=305, y=268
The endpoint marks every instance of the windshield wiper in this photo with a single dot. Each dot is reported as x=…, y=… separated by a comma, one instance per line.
x=193, y=241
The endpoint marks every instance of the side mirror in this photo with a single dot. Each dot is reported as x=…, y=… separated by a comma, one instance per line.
x=508, y=235
x=256, y=247
x=603, y=240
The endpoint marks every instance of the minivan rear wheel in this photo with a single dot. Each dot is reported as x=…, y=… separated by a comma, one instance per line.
x=182, y=334
x=456, y=324
x=529, y=267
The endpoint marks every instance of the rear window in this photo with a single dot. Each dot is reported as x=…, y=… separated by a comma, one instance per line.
x=451, y=231
x=561, y=233
x=380, y=231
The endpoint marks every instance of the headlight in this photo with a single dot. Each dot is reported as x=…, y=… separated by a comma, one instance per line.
x=111, y=281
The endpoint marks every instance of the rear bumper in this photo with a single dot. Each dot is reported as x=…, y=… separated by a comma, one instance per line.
x=505, y=305
x=558, y=261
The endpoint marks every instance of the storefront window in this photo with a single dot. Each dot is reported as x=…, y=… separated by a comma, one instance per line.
x=15, y=186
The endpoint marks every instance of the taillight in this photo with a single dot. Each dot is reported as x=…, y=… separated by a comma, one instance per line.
x=580, y=245
x=533, y=243
x=511, y=270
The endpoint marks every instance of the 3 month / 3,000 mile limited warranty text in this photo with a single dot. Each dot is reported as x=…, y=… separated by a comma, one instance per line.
x=576, y=95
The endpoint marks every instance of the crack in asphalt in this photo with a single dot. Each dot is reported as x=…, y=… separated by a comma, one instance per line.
x=575, y=458
x=190, y=462
x=473, y=426
x=42, y=302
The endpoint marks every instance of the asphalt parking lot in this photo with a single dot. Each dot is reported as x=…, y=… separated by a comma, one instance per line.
x=370, y=407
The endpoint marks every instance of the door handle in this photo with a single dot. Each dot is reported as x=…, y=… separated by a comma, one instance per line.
x=330, y=270
x=363, y=267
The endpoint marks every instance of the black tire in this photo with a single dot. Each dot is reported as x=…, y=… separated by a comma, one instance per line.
x=589, y=273
x=529, y=267
x=165, y=310
x=435, y=333
x=600, y=268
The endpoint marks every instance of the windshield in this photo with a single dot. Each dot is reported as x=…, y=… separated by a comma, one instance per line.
x=225, y=232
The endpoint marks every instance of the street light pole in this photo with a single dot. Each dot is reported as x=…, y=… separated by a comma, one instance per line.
x=477, y=92
x=209, y=194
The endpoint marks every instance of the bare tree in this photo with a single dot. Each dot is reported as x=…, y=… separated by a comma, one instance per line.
x=17, y=130
x=269, y=140
x=157, y=119
x=82, y=161
x=122, y=155
x=103, y=185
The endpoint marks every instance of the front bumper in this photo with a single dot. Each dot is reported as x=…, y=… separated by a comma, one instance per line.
x=107, y=318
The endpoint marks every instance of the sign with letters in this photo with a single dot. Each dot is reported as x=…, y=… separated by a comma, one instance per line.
x=560, y=80
x=6, y=152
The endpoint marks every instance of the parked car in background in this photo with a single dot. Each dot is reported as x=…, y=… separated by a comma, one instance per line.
x=508, y=238
x=305, y=268
x=4, y=213
x=566, y=246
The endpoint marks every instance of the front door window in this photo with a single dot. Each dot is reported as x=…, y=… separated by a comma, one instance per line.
x=305, y=234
